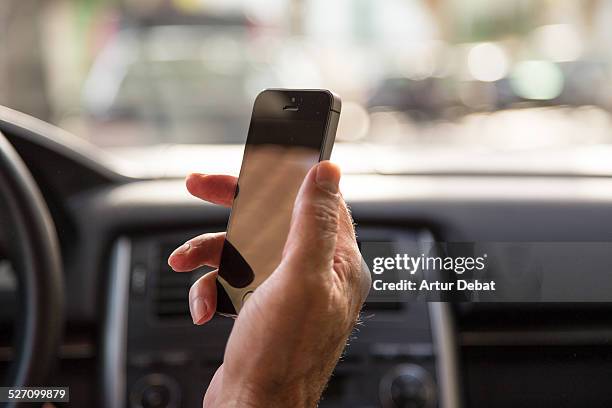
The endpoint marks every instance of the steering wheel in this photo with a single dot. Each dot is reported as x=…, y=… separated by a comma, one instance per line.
x=37, y=264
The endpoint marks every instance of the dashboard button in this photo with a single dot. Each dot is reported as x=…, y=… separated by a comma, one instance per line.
x=155, y=391
x=407, y=386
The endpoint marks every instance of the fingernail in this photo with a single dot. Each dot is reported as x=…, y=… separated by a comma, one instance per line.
x=193, y=179
x=198, y=308
x=328, y=177
x=182, y=249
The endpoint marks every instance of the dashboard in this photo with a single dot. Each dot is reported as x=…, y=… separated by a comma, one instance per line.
x=129, y=341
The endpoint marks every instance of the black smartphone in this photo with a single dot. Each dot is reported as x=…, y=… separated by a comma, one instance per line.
x=290, y=131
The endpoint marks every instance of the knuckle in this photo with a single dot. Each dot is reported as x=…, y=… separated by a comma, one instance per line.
x=195, y=290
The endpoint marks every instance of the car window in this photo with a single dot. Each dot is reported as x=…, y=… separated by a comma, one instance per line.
x=516, y=85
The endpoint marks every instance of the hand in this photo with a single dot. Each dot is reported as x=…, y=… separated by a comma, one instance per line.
x=291, y=332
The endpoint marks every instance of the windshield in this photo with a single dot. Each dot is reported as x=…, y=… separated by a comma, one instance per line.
x=514, y=85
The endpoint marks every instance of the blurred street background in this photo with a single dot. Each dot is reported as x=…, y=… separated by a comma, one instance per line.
x=426, y=75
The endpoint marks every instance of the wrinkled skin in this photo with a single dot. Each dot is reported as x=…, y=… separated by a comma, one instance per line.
x=290, y=334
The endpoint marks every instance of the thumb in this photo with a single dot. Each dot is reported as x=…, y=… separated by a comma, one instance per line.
x=311, y=242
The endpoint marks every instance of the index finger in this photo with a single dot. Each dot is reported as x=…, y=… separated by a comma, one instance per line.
x=214, y=188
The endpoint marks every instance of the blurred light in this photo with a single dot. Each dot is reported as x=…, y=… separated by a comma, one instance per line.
x=538, y=80
x=558, y=42
x=487, y=62
x=354, y=122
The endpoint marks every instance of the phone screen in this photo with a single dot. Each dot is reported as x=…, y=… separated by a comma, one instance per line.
x=285, y=140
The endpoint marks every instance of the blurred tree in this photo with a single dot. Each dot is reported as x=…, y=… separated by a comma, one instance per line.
x=484, y=20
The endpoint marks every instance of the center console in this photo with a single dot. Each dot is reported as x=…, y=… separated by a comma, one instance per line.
x=401, y=356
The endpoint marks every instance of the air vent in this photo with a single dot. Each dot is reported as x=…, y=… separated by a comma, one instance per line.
x=171, y=291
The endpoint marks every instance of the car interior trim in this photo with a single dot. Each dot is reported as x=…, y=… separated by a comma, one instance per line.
x=66, y=144
x=114, y=369
x=445, y=346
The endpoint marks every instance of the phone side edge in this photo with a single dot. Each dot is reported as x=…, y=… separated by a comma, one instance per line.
x=332, y=127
